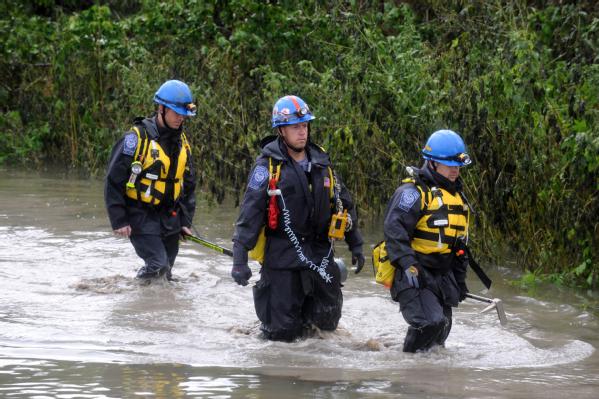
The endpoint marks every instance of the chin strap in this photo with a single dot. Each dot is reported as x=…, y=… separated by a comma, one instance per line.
x=163, y=114
x=294, y=149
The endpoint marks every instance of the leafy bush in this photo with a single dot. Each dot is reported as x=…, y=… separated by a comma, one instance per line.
x=518, y=80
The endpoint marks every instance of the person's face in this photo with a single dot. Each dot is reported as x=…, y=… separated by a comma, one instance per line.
x=173, y=119
x=295, y=135
x=449, y=172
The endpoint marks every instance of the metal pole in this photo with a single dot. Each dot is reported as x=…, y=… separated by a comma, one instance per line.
x=494, y=303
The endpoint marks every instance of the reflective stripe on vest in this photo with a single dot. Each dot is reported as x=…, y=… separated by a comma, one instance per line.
x=151, y=184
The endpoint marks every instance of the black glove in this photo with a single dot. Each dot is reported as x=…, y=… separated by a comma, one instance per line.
x=357, y=257
x=463, y=290
x=241, y=274
x=415, y=276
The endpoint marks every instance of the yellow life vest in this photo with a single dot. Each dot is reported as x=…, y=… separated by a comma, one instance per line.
x=152, y=180
x=446, y=217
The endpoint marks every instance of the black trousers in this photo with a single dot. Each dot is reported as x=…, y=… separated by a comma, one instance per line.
x=429, y=320
x=158, y=252
x=286, y=301
x=427, y=310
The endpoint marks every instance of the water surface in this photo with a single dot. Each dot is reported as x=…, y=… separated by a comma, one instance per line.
x=74, y=322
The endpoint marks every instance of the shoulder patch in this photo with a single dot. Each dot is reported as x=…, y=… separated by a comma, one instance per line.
x=408, y=198
x=130, y=144
x=258, y=178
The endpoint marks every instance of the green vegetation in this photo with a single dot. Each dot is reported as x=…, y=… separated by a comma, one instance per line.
x=518, y=79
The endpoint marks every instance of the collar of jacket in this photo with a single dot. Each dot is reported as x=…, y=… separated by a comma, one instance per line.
x=274, y=147
x=154, y=131
x=149, y=125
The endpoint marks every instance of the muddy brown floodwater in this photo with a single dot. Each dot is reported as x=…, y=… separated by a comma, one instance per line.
x=74, y=322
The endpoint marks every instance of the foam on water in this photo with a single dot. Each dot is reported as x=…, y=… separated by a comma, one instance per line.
x=72, y=296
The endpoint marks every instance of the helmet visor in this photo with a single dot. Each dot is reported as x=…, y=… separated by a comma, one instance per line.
x=188, y=109
x=461, y=159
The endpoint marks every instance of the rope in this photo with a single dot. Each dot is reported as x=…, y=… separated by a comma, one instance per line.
x=320, y=269
x=338, y=203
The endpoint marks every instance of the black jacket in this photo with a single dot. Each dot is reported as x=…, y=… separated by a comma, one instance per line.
x=307, y=199
x=142, y=218
x=443, y=274
x=401, y=219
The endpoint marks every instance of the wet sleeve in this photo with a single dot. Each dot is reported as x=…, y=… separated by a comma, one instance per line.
x=460, y=266
x=117, y=176
x=188, y=199
x=240, y=254
x=353, y=237
x=252, y=213
x=403, y=213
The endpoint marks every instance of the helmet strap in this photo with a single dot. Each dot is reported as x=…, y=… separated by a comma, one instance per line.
x=292, y=148
x=432, y=164
x=162, y=112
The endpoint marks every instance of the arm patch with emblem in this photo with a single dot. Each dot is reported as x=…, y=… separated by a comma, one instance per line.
x=130, y=144
x=408, y=198
x=258, y=177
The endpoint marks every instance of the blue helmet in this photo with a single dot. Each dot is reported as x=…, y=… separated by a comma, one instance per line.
x=176, y=95
x=290, y=110
x=446, y=147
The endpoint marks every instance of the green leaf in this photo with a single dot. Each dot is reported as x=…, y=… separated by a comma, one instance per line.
x=580, y=269
x=580, y=126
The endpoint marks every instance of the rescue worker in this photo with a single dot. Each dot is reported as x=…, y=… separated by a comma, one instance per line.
x=291, y=196
x=425, y=222
x=150, y=183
